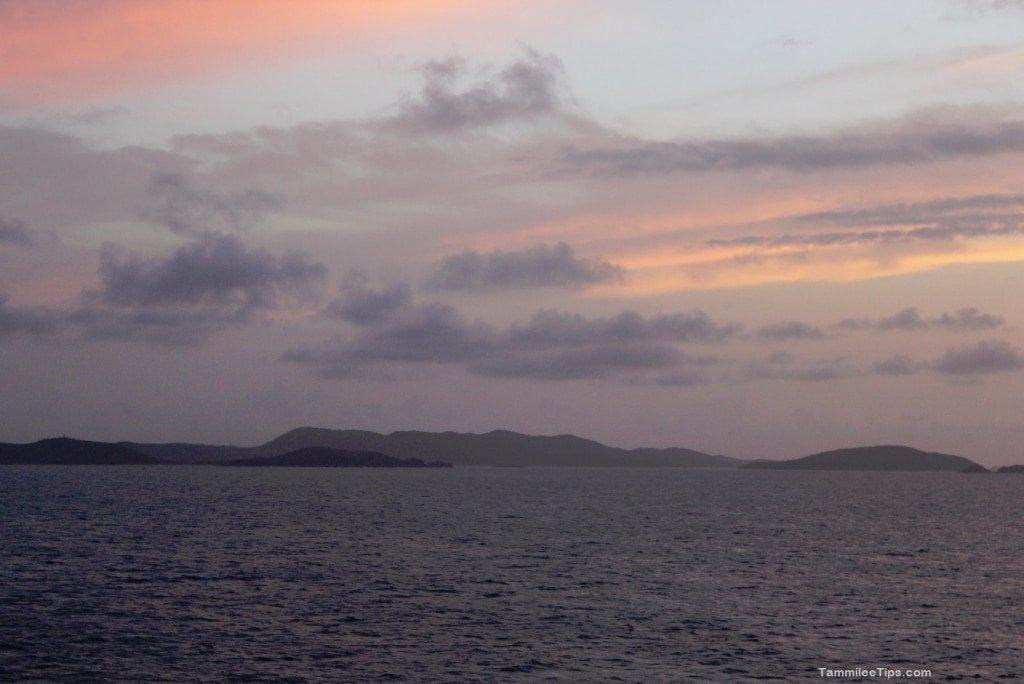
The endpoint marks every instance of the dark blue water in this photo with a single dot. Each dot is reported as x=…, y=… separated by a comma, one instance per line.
x=520, y=574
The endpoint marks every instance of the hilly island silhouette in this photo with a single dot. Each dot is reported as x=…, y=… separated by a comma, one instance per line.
x=321, y=447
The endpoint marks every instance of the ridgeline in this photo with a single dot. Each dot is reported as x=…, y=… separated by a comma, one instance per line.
x=319, y=447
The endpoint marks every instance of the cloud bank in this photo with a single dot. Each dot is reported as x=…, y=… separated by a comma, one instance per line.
x=525, y=89
x=966, y=319
x=987, y=356
x=551, y=345
x=540, y=266
x=15, y=232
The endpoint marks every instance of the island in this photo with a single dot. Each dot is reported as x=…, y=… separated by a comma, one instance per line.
x=67, y=451
x=326, y=448
x=502, y=448
x=879, y=458
x=323, y=457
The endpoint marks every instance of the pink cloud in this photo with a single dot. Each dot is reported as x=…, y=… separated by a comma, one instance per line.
x=61, y=51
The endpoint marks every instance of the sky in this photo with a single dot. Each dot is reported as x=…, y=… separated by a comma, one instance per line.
x=761, y=229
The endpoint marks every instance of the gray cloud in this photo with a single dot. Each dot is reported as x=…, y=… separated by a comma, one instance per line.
x=539, y=266
x=907, y=319
x=899, y=143
x=429, y=333
x=186, y=209
x=550, y=345
x=553, y=328
x=31, y=320
x=988, y=356
x=215, y=269
x=784, y=366
x=969, y=318
x=790, y=330
x=361, y=305
x=910, y=213
x=597, y=361
x=963, y=320
x=525, y=89
x=989, y=215
x=178, y=300
x=945, y=229
x=856, y=324
x=898, y=364
x=162, y=327
x=15, y=232
x=176, y=327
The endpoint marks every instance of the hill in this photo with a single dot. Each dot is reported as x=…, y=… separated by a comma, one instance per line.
x=884, y=458
x=65, y=451
x=1011, y=469
x=496, y=448
x=324, y=457
x=193, y=454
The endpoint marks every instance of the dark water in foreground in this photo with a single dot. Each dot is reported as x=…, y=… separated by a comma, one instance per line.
x=212, y=573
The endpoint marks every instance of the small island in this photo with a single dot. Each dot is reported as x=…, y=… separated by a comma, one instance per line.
x=322, y=448
x=880, y=458
x=324, y=457
x=67, y=451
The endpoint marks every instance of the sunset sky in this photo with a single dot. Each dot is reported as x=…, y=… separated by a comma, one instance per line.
x=762, y=229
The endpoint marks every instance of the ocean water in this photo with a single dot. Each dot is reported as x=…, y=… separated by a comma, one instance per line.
x=206, y=573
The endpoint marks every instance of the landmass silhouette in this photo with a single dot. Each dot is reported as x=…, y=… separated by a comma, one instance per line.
x=495, y=448
x=885, y=457
x=66, y=451
x=325, y=457
x=320, y=447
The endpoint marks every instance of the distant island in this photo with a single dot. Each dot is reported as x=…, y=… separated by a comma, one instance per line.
x=495, y=448
x=321, y=447
x=324, y=457
x=66, y=451
x=884, y=458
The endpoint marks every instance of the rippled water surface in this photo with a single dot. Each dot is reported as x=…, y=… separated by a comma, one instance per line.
x=209, y=573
